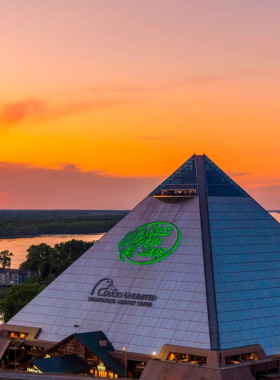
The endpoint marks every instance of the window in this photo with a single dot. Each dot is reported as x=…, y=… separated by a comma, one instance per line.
x=91, y=359
x=187, y=358
x=236, y=359
x=185, y=193
x=59, y=351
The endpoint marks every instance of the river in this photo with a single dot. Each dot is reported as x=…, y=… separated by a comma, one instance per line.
x=20, y=245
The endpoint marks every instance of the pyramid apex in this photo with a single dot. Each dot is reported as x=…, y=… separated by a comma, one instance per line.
x=184, y=179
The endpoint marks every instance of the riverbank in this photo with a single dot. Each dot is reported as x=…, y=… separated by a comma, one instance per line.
x=19, y=246
x=71, y=236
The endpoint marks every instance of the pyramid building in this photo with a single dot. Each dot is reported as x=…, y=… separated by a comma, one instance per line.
x=195, y=264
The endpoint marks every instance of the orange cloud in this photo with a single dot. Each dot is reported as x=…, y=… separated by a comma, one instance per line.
x=104, y=97
x=37, y=109
x=239, y=174
x=14, y=112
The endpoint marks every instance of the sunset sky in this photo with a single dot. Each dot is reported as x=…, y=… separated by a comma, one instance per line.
x=100, y=100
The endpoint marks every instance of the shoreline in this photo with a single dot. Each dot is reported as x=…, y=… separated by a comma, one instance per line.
x=45, y=235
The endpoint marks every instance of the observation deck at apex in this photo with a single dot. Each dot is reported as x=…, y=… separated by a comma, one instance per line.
x=191, y=277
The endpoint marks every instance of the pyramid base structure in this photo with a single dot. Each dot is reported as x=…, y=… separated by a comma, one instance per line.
x=219, y=365
x=196, y=265
x=93, y=354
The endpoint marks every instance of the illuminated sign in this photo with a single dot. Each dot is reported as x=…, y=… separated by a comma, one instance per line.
x=101, y=367
x=34, y=369
x=105, y=292
x=149, y=243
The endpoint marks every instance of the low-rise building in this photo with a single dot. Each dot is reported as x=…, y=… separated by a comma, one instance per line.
x=11, y=277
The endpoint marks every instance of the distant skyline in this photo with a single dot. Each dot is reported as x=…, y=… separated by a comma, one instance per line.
x=100, y=100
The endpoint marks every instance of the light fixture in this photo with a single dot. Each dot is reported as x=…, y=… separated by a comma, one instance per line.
x=125, y=361
x=154, y=353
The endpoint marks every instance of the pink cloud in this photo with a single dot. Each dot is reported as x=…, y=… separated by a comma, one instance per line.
x=23, y=186
x=71, y=168
x=69, y=187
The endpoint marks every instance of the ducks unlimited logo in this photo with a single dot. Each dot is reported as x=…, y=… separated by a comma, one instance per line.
x=149, y=243
x=105, y=292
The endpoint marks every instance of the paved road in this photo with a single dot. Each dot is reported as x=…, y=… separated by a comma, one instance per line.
x=35, y=376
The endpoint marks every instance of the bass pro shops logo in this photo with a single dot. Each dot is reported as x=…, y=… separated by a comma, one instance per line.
x=149, y=243
x=105, y=291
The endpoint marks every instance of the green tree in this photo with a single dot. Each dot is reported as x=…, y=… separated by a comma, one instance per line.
x=37, y=254
x=68, y=252
x=50, y=262
x=5, y=259
x=17, y=297
x=45, y=269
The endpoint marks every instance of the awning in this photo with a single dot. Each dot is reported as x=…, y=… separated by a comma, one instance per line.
x=61, y=364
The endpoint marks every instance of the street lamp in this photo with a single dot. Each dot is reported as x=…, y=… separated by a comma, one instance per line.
x=124, y=350
x=154, y=353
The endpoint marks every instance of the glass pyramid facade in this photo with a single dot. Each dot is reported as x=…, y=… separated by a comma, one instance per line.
x=219, y=288
x=183, y=178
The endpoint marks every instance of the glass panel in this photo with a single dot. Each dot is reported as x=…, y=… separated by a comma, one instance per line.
x=182, y=178
x=220, y=184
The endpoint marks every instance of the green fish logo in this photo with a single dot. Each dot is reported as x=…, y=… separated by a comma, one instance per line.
x=149, y=243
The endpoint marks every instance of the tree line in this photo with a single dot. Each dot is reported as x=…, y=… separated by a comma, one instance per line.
x=25, y=223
